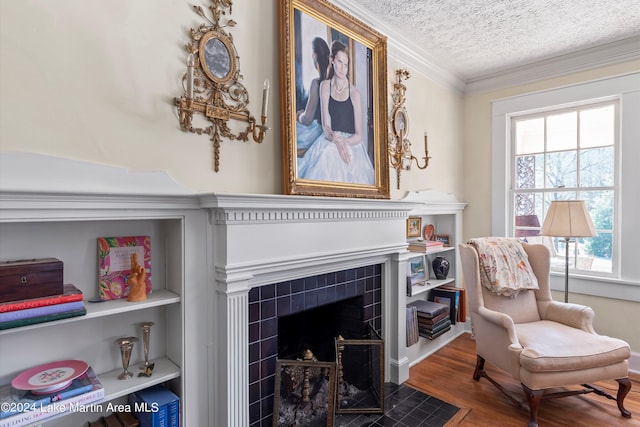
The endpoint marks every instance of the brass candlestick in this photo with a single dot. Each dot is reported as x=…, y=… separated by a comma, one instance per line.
x=306, y=356
x=146, y=331
x=126, y=346
x=340, y=349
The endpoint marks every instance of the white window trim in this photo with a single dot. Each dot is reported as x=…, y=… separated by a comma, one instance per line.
x=615, y=100
x=626, y=88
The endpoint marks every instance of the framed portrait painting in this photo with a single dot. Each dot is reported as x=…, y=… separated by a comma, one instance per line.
x=333, y=76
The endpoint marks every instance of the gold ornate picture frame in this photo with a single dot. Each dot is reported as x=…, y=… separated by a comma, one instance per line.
x=319, y=157
x=414, y=226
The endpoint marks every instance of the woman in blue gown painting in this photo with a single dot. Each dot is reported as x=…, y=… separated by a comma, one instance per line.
x=339, y=154
x=308, y=121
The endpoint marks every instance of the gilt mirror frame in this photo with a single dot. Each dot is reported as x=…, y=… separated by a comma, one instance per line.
x=300, y=21
x=205, y=56
x=400, y=117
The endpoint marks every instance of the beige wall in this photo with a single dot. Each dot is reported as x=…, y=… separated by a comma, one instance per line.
x=613, y=317
x=95, y=81
x=477, y=141
x=437, y=111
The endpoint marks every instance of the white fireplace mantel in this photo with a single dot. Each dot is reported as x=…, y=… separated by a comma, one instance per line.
x=269, y=238
x=263, y=239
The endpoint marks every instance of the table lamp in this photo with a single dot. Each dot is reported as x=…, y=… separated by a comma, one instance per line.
x=568, y=218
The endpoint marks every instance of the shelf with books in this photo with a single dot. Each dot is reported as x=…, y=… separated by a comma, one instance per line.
x=34, y=409
x=107, y=308
x=426, y=286
x=441, y=220
x=67, y=228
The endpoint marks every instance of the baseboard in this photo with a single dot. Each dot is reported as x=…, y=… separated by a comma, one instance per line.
x=634, y=363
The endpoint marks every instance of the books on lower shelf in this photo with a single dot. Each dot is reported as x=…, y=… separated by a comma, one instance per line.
x=454, y=297
x=156, y=406
x=39, y=310
x=20, y=408
x=29, y=313
x=70, y=294
x=432, y=319
x=42, y=319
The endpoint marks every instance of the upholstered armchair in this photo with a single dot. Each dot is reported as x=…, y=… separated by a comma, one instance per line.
x=542, y=343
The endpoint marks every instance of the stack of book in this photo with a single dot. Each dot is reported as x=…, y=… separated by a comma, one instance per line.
x=25, y=312
x=156, y=406
x=21, y=407
x=425, y=246
x=450, y=296
x=433, y=318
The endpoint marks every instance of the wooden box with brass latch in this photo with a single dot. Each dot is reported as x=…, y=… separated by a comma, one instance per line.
x=30, y=278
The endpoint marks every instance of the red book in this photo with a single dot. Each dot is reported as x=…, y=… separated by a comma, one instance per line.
x=70, y=294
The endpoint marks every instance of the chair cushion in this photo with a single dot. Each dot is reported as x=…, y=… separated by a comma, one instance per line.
x=552, y=347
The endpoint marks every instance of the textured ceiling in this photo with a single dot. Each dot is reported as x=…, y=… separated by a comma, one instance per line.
x=475, y=38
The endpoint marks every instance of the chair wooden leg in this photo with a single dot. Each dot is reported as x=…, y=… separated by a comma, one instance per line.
x=624, y=386
x=533, y=399
x=479, y=368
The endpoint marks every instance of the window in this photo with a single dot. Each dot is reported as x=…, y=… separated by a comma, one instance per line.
x=566, y=154
x=553, y=109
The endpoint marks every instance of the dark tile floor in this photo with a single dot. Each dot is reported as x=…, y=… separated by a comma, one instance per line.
x=404, y=407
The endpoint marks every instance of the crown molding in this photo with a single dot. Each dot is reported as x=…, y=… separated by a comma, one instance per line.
x=412, y=55
x=595, y=57
x=404, y=50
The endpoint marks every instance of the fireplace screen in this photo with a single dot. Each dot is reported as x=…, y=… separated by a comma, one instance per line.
x=305, y=390
x=360, y=374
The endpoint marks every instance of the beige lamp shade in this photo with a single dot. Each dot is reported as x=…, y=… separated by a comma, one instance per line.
x=568, y=218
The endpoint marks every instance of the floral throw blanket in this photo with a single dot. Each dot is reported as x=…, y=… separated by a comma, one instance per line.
x=504, y=266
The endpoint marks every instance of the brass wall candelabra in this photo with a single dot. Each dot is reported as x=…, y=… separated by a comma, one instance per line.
x=212, y=83
x=400, y=155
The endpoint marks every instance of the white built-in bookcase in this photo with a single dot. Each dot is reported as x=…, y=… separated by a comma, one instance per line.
x=444, y=212
x=66, y=226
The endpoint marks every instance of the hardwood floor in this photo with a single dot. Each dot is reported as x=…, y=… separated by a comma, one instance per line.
x=447, y=375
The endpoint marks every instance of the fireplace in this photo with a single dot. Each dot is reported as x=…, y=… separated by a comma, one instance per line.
x=281, y=316
x=275, y=256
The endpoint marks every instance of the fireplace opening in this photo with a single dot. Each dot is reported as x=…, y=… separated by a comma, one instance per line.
x=316, y=329
x=269, y=303
x=334, y=333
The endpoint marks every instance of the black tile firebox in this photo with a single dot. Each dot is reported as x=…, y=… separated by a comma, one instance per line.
x=267, y=303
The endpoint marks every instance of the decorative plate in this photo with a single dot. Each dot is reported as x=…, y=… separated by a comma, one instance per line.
x=50, y=377
x=429, y=232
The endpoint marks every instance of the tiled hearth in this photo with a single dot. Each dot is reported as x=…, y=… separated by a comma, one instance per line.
x=268, y=303
x=404, y=407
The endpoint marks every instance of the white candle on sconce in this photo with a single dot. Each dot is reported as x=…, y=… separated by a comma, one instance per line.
x=265, y=97
x=190, y=64
x=426, y=147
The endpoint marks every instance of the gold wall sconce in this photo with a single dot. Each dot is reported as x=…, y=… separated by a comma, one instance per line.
x=212, y=83
x=400, y=155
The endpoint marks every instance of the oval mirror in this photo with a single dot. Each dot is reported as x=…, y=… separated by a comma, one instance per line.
x=216, y=54
x=400, y=121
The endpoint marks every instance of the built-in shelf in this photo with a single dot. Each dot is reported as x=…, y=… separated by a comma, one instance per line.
x=435, y=251
x=51, y=225
x=426, y=286
x=107, y=308
x=163, y=370
x=444, y=213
